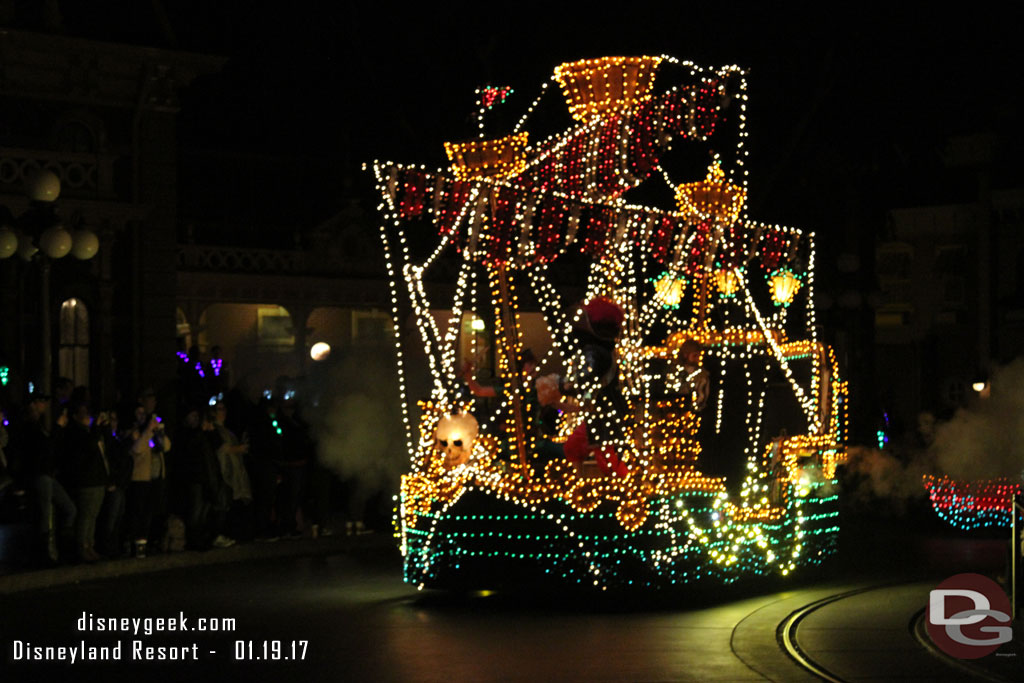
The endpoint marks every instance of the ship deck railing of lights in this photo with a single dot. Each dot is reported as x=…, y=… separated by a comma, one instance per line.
x=661, y=460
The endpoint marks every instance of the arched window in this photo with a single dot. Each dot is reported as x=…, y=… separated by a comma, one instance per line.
x=182, y=329
x=74, y=341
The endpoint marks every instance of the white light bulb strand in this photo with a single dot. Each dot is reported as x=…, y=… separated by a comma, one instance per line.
x=533, y=105
x=805, y=402
x=393, y=286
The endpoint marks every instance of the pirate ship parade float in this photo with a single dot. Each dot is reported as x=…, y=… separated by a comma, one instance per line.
x=678, y=420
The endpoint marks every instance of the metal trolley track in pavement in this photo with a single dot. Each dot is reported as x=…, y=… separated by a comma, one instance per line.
x=788, y=640
x=787, y=630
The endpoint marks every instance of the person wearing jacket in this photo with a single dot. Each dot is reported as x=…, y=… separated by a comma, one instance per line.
x=111, y=520
x=32, y=448
x=85, y=453
x=148, y=445
x=230, y=457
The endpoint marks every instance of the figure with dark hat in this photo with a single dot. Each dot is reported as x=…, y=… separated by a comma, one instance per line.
x=595, y=381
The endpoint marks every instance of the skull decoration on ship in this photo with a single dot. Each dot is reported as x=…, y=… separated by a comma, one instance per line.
x=454, y=439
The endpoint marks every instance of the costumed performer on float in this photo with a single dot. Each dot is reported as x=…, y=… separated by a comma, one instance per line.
x=540, y=406
x=690, y=379
x=595, y=381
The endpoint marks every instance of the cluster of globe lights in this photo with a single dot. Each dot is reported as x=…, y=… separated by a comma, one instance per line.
x=43, y=189
x=734, y=540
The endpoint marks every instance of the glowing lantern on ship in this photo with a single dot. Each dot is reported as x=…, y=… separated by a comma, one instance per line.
x=728, y=282
x=669, y=290
x=784, y=286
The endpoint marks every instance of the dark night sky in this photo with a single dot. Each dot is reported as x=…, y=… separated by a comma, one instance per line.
x=847, y=109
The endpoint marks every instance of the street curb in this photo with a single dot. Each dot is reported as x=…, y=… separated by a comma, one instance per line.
x=972, y=667
x=61, y=576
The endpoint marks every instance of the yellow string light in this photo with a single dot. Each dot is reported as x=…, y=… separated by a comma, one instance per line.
x=598, y=86
x=712, y=199
x=488, y=158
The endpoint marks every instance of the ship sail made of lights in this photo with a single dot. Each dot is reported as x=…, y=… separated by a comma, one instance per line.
x=671, y=492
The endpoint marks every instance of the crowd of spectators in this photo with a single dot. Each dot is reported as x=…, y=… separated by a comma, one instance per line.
x=108, y=483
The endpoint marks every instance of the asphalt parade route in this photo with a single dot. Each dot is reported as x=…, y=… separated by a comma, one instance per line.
x=348, y=616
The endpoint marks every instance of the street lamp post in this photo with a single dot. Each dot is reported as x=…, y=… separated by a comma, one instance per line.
x=39, y=235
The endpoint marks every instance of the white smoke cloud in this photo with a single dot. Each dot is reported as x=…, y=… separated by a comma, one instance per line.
x=892, y=475
x=358, y=423
x=986, y=439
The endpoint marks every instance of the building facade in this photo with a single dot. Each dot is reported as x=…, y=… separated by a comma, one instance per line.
x=950, y=307
x=101, y=117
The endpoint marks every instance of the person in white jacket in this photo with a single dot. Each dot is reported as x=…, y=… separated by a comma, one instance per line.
x=149, y=444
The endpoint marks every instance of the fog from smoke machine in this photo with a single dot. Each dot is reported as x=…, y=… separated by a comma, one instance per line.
x=359, y=425
x=984, y=440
